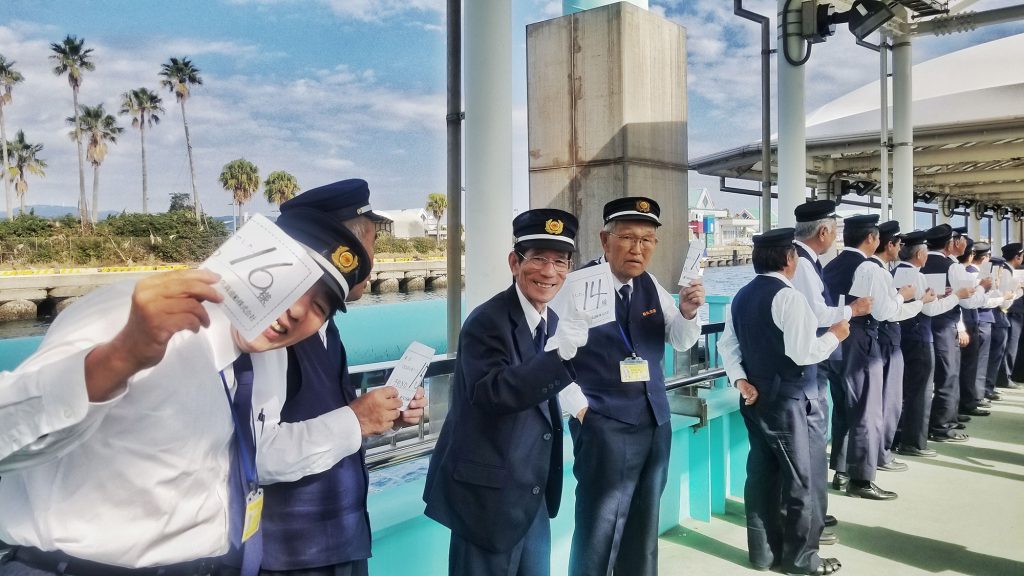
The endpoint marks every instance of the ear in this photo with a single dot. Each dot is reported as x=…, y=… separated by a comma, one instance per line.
x=513, y=262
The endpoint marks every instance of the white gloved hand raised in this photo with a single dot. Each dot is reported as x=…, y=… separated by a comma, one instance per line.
x=570, y=335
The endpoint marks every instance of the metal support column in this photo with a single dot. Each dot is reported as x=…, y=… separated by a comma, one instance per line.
x=792, y=154
x=454, y=121
x=488, y=85
x=903, y=133
x=883, y=167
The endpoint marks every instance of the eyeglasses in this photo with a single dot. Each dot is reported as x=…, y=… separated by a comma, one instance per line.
x=540, y=262
x=645, y=242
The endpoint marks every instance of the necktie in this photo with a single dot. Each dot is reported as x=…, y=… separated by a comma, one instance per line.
x=249, y=554
x=817, y=267
x=622, y=312
x=553, y=490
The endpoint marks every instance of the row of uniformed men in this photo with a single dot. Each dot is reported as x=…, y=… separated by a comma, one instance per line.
x=879, y=409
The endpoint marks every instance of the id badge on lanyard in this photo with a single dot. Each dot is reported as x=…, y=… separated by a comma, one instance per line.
x=634, y=369
x=247, y=463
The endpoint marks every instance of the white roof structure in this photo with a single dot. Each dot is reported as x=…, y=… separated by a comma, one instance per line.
x=968, y=110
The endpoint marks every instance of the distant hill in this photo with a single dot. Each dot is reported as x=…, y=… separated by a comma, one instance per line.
x=51, y=211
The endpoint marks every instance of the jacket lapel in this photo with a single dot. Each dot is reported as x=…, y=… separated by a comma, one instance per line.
x=523, y=336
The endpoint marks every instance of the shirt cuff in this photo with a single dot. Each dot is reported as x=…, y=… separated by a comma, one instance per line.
x=64, y=394
x=572, y=399
x=847, y=312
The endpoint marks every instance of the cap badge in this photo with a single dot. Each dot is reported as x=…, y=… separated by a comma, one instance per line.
x=554, y=226
x=344, y=259
x=643, y=206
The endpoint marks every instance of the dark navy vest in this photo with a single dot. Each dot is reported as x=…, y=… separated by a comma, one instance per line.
x=597, y=364
x=889, y=333
x=940, y=264
x=319, y=520
x=838, y=275
x=1017, y=308
x=762, y=346
x=918, y=328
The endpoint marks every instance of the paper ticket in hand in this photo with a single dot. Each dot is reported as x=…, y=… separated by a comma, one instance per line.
x=937, y=282
x=410, y=370
x=691, y=265
x=591, y=291
x=262, y=272
x=907, y=276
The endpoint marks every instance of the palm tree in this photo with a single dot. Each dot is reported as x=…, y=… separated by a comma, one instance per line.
x=142, y=104
x=436, y=205
x=70, y=58
x=22, y=160
x=8, y=78
x=179, y=76
x=242, y=179
x=280, y=187
x=101, y=128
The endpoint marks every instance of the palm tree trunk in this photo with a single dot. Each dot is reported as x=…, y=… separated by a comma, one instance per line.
x=83, y=205
x=7, y=181
x=95, y=190
x=145, y=188
x=191, y=165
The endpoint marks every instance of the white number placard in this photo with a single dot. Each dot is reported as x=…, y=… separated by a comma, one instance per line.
x=691, y=264
x=937, y=282
x=907, y=277
x=410, y=370
x=589, y=290
x=262, y=272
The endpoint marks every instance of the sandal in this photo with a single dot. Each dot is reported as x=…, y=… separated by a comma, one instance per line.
x=827, y=566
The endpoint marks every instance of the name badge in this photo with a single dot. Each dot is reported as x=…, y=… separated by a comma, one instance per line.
x=634, y=370
x=253, y=512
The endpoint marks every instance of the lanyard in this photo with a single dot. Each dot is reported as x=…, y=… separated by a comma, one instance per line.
x=626, y=340
x=247, y=463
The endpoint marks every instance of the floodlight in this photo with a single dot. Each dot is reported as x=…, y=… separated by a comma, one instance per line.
x=864, y=17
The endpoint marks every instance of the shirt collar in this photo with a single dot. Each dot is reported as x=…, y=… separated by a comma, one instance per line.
x=780, y=276
x=879, y=260
x=812, y=253
x=532, y=316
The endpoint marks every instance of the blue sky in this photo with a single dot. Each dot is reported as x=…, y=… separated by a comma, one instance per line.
x=331, y=89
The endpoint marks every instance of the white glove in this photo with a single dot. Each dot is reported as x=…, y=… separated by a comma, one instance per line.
x=570, y=335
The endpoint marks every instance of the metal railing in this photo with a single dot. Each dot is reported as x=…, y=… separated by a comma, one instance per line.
x=692, y=370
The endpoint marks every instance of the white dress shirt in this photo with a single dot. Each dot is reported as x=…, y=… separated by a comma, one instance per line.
x=796, y=320
x=871, y=280
x=958, y=277
x=680, y=333
x=808, y=283
x=906, y=310
x=940, y=305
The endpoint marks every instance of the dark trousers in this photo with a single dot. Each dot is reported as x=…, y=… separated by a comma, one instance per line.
x=840, y=428
x=818, y=429
x=621, y=472
x=783, y=525
x=1012, y=349
x=973, y=364
x=947, y=385
x=996, y=356
x=353, y=568
x=918, y=386
x=530, y=557
x=863, y=379
x=892, y=397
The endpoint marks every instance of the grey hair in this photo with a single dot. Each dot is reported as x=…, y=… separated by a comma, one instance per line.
x=805, y=230
x=911, y=252
x=360, y=226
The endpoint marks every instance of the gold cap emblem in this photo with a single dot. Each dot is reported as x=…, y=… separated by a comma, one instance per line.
x=344, y=259
x=554, y=226
x=643, y=206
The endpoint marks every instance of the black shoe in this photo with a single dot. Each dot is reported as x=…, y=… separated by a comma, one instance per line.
x=923, y=453
x=870, y=491
x=951, y=436
x=994, y=396
x=840, y=480
x=830, y=521
x=828, y=538
x=963, y=418
x=975, y=412
x=894, y=466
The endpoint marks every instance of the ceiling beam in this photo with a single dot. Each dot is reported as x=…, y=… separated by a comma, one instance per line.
x=981, y=153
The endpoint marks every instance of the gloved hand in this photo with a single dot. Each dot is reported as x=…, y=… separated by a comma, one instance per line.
x=571, y=334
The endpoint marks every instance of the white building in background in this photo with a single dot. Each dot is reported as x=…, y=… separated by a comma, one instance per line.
x=718, y=227
x=411, y=223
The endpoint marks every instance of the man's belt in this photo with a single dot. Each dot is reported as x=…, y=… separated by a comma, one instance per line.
x=61, y=563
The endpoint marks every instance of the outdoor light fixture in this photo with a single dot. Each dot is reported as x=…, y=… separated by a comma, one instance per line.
x=925, y=197
x=864, y=17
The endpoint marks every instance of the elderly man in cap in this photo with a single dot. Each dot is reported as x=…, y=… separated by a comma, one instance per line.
x=1014, y=374
x=857, y=413
x=312, y=424
x=814, y=235
x=495, y=477
x=621, y=431
x=978, y=325
x=916, y=344
x=944, y=246
x=770, y=341
x=123, y=428
x=1009, y=318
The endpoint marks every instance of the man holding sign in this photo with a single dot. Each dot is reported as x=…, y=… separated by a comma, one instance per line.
x=495, y=477
x=621, y=431
x=127, y=440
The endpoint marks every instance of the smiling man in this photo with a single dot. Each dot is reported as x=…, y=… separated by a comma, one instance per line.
x=120, y=435
x=621, y=431
x=495, y=477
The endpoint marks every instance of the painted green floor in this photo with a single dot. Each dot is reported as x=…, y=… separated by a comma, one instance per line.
x=959, y=513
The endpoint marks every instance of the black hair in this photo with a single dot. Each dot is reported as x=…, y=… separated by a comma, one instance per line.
x=963, y=258
x=771, y=258
x=883, y=246
x=853, y=238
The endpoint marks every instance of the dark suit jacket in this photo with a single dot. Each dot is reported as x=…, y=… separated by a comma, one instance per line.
x=489, y=470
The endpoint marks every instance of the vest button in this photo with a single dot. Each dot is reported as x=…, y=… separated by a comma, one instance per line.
x=536, y=490
x=547, y=436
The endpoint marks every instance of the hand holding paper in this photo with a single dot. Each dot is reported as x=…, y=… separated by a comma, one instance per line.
x=570, y=335
x=692, y=264
x=409, y=372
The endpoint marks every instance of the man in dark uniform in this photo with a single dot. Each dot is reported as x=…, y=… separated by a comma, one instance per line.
x=319, y=525
x=997, y=358
x=770, y=340
x=1013, y=253
x=622, y=442
x=495, y=477
x=978, y=325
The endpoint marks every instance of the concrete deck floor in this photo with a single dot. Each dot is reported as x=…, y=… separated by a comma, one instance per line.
x=959, y=513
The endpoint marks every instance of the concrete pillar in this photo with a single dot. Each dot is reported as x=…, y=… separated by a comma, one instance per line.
x=607, y=119
x=883, y=165
x=974, y=225
x=792, y=155
x=997, y=239
x=488, y=82
x=903, y=132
